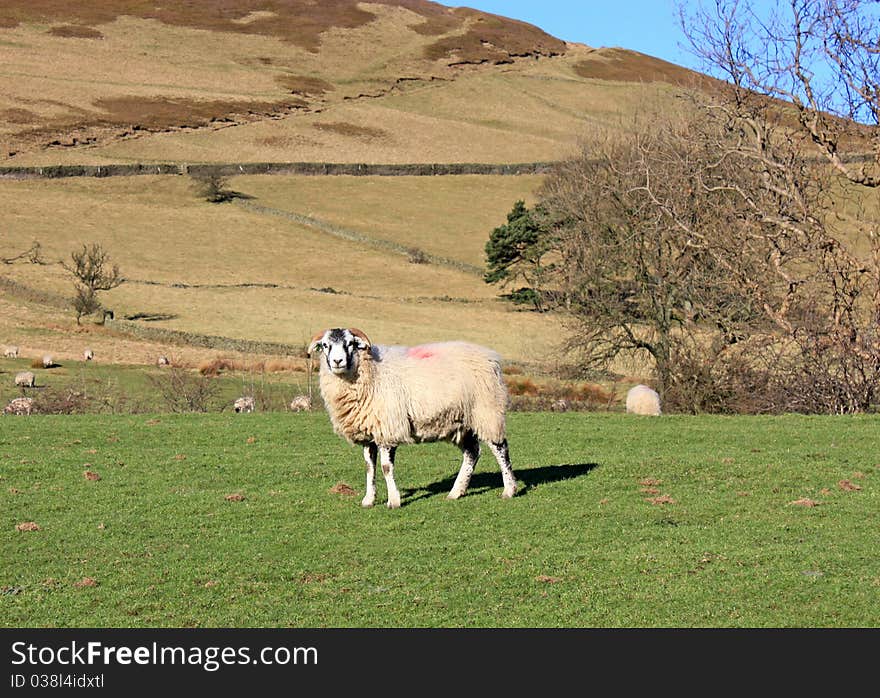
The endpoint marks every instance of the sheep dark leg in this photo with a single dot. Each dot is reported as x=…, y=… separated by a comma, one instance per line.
x=386, y=454
x=370, y=453
x=470, y=449
x=502, y=455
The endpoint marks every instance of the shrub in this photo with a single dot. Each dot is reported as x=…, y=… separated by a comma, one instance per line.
x=529, y=396
x=38, y=363
x=522, y=386
x=279, y=365
x=212, y=188
x=62, y=401
x=213, y=367
x=183, y=391
x=417, y=256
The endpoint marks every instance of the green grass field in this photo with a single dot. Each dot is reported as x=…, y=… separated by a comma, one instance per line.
x=155, y=542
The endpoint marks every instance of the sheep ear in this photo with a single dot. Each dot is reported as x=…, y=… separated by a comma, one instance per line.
x=363, y=341
x=316, y=342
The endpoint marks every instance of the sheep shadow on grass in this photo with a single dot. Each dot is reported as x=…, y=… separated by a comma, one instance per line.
x=528, y=478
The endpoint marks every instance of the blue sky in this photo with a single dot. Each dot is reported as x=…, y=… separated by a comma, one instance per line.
x=648, y=26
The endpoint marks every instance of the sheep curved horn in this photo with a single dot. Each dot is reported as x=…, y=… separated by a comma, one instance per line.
x=358, y=333
x=313, y=343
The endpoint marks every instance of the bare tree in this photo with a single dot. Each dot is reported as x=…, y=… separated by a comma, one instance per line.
x=712, y=245
x=809, y=71
x=821, y=56
x=91, y=269
x=658, y=253
x=184, y=391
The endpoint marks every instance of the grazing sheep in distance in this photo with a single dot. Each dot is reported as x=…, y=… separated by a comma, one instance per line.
x=48, y=361
x=379, y=397
x=243, y=404
x=88, y=355
x=25, y=379
x=163, y=361
x=11, y=352
x=301, y=403
x=20, y=406
x=643, y=400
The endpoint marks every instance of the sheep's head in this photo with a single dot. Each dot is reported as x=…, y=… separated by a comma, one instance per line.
x=340, y=348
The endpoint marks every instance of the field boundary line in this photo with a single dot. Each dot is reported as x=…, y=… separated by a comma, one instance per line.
x=276, y=168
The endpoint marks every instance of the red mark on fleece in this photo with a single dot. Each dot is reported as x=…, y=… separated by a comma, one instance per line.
x=419, y=353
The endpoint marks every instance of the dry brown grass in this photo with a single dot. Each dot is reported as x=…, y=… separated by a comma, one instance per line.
x=76, y=31
x=522, y=386
x=493, y=39
x=153, y=62
x=221, y=364
x=533, y=112
x=449, y=216
x=370, y=83
x=304, y=84
x=301, y=22
x=199, y=256
x=40, y=329
x=532, y=393
x=286, y=21
x=630, y=66
x=353, y=130
x=219, y=88
x=161, y=113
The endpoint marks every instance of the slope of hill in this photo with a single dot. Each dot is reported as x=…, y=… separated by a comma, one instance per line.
x=92, y=73
x=250, y=80
x=239, y=81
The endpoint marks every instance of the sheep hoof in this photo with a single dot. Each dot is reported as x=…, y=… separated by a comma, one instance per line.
x=394, y=503
x=508, y=494
x=454, y=495
x=367, y=502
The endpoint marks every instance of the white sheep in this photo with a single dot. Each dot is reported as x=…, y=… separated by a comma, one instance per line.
x=10, y=352
x=163, y=361
x=48, y=361
x=642, y=400
x=25, y=379
x=243, y=404
x=88, y=355
x=379, y=397
x=20, y=406
x=301, y=403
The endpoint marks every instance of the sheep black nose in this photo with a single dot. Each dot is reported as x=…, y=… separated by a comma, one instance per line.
x=338, y=362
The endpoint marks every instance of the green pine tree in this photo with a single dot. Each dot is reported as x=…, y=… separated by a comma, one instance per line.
x=513, y=254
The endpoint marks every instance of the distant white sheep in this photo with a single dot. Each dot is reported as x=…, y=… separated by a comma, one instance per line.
x=244, y=404
x=25, y=379
x=379, y=397
x=88, y=355
x=20, y=406
x=163, y=361
x=643, y=400
x=301, y=403
x=48, y=361
x=11, y=352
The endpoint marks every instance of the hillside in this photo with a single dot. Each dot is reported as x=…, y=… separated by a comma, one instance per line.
x=251, y=81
